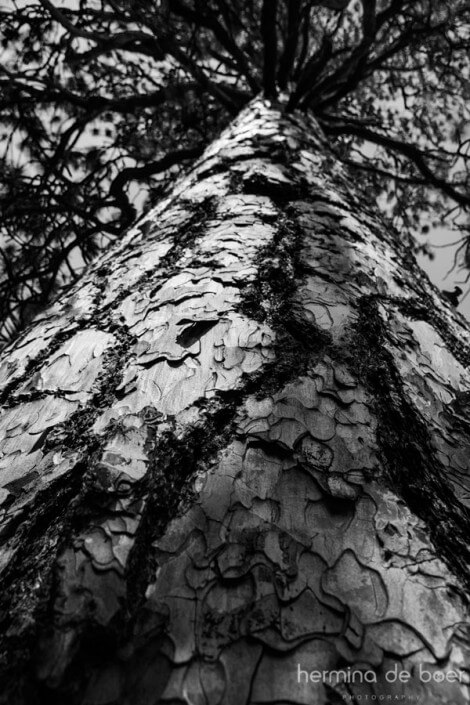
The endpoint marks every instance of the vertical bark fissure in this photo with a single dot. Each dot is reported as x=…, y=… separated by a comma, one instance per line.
x=405, y=443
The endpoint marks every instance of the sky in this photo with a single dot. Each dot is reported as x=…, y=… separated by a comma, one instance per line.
x=439, y=269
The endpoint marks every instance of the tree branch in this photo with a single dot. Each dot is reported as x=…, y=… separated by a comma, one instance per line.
x=310, y=72
x=141, y=172
x=97, y=103
x=206, y=18
x=130, y=40
x=269, y=36
x=286, y=62
x=62, y=19
x=415, y=155
x=347, y=76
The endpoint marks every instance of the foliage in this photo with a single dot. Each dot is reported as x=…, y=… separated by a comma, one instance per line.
x=103, y=101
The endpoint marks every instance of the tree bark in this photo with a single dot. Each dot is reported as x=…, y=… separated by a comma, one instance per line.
x=237, y=451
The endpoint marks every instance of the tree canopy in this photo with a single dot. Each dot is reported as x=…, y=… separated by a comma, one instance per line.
x=103, y=101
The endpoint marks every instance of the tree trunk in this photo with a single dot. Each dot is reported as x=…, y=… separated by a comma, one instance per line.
x=237, y=453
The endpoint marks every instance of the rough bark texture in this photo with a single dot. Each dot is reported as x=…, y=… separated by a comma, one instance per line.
x=238, y=445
